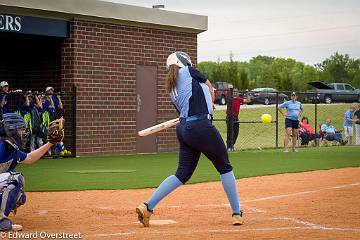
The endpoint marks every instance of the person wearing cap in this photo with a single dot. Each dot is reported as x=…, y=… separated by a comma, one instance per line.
x=233, y=114
x=53, y=104
x=4, y=89
x=5, y=97
x=294, y=110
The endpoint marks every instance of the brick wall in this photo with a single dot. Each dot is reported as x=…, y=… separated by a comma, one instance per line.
x=100, y=59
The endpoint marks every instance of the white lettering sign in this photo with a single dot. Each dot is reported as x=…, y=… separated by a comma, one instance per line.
x=10, y=23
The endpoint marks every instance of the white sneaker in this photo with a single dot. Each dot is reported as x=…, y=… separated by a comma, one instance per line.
x=295, y=150
x=286, y=150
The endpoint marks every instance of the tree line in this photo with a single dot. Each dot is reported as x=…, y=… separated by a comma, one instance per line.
x=282, y=73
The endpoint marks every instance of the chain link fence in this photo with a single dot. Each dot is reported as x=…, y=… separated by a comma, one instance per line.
x=253, y=134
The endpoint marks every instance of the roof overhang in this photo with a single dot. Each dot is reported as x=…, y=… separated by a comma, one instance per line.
x=102, y=11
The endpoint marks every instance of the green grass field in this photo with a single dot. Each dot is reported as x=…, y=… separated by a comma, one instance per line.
x=256, y=135
x=142, y=171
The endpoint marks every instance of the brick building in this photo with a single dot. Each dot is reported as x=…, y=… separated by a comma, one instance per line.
x=114, y=54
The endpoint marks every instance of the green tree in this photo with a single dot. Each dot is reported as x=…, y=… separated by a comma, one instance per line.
x=244, y=81
x=282, y=73
x=207, y=68
x=233, y=75
x=340, y=68
x=218, y=72
x=261, y=74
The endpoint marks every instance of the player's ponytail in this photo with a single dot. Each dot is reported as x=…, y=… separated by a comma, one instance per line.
x=171, y=77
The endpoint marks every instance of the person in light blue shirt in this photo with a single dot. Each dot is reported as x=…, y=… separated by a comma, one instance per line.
x=348, y=123
x=294, y=110
x=330, y=133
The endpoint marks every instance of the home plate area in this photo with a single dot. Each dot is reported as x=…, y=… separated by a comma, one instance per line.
x=311, y=205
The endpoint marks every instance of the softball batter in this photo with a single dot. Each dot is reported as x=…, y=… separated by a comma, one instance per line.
x=192, y=95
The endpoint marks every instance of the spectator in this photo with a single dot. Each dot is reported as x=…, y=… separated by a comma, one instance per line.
x=294, y=110
x=330, y=133
x=356, y=120
x=233, y=114
x=48, y=109
x=348, y=123
x=33, y=109
x=5, y=97
x=53, y=102
x=307, y=132
x=8, y=98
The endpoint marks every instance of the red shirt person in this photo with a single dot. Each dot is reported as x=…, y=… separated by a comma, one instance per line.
x=307, y=132
x=235, y=111
x=232, y=120
x=307, y=127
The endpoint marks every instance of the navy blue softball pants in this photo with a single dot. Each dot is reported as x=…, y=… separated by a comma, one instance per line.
x=198, y=137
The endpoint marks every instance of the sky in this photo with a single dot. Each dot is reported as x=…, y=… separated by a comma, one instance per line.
x=306, y=30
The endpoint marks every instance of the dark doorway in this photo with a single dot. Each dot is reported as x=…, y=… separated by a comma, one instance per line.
x=30, y=62
x=146, y=106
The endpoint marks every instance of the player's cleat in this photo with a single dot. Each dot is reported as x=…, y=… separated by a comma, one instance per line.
x=238, y=219
x=16, y=227
x=144, y=214
x=6, y=225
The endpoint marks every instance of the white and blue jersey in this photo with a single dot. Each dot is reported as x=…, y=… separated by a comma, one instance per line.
x=191, y=95
x=10, y=156
x=348, y=115
x=293, y=109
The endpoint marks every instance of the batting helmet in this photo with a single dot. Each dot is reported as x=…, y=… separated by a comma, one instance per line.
x=11, y=124
x=180, y=59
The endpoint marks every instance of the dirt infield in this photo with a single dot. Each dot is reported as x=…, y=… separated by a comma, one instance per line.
x=311, y=205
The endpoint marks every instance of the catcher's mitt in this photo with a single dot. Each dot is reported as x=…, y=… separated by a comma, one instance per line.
x=56, y=131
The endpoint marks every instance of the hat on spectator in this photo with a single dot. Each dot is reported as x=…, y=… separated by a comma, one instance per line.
x=49, y=88
x=293, y=94
x=4, y=84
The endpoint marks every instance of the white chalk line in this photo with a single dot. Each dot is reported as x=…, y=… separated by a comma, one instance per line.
x=305, y=223
x=302, y=193
x=256, y=210
x=279, y=196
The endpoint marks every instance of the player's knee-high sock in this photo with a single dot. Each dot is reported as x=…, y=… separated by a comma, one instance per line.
x=166, y=187
x=229, y=185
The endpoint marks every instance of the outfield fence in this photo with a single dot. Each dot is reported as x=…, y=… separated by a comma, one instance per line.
x=253, y=134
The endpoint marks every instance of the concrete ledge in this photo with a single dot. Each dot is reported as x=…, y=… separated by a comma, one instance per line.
x=106, y=11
